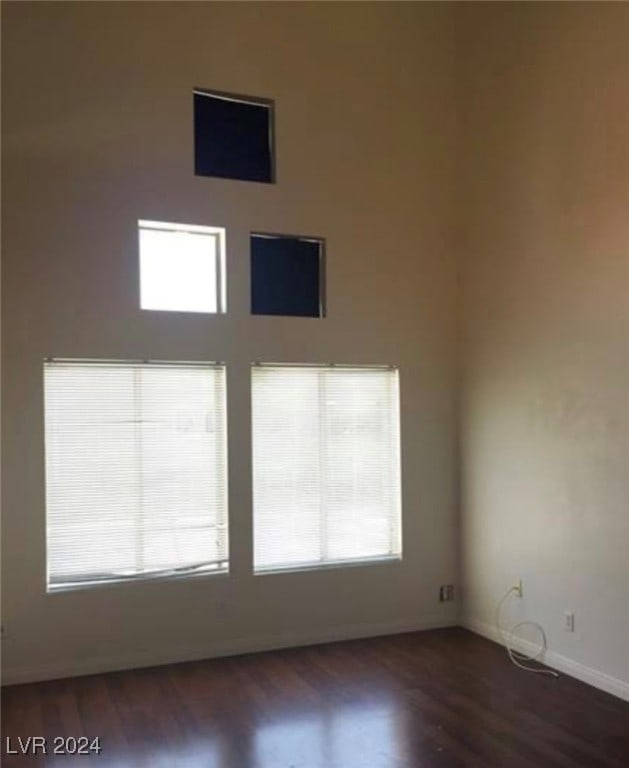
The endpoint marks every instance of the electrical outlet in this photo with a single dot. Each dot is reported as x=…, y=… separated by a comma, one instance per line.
x=446, y=593
x=518, y=589
x=568, y=621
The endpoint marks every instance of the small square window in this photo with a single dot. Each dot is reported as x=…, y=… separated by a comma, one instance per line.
x=287, y=275
x=233, y=137
x=182, y=267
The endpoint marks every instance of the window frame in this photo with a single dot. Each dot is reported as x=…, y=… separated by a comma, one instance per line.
x=239, y=98
x=328, y=564
x=219, y=568
x=322, y=282
x=218, y=234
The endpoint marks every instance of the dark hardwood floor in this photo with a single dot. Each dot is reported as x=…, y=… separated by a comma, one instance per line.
x=439, y=699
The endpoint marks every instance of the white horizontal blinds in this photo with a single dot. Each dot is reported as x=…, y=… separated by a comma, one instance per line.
x=286, y=466
x=360, y=434
x=136, y=469
x=326, y=465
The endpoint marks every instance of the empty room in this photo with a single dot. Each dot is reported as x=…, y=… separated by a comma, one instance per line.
x=315, y=384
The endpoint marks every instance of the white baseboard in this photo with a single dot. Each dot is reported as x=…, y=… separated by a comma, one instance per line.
x=555, y=660
x=139, y=659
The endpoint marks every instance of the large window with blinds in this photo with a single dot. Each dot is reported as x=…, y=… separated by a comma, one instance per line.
x=326, y=465
x=136, y=475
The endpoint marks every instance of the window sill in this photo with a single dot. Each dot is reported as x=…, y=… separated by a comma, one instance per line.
x=74, y=586
x=327, y=566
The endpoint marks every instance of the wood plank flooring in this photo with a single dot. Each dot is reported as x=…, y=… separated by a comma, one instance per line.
x=439, y=699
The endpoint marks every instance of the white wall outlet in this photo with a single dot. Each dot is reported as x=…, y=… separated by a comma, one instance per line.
x=568, y=621
x=518, y=588
x=446, y=593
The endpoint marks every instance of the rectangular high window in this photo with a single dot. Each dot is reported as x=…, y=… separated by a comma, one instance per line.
x=326, y=465
x=136, y=470
x=233, y=136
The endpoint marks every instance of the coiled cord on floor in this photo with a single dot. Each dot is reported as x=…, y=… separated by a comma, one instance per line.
x=521, y=660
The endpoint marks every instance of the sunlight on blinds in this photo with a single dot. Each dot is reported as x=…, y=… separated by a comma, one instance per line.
x=136, y=470
x=326, y=465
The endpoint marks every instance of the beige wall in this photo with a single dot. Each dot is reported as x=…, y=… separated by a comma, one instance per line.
x=544, y=105
x=97, y=102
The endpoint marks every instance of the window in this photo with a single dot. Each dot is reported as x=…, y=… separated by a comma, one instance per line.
x=287, y=275
x=182, y=267
x=135, y=470
x=326, y=465
x=233, y=136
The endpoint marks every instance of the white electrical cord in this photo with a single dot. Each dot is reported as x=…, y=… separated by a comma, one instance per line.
x=521, y=660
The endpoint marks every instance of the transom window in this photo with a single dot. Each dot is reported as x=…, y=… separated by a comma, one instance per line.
x=182, y=267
